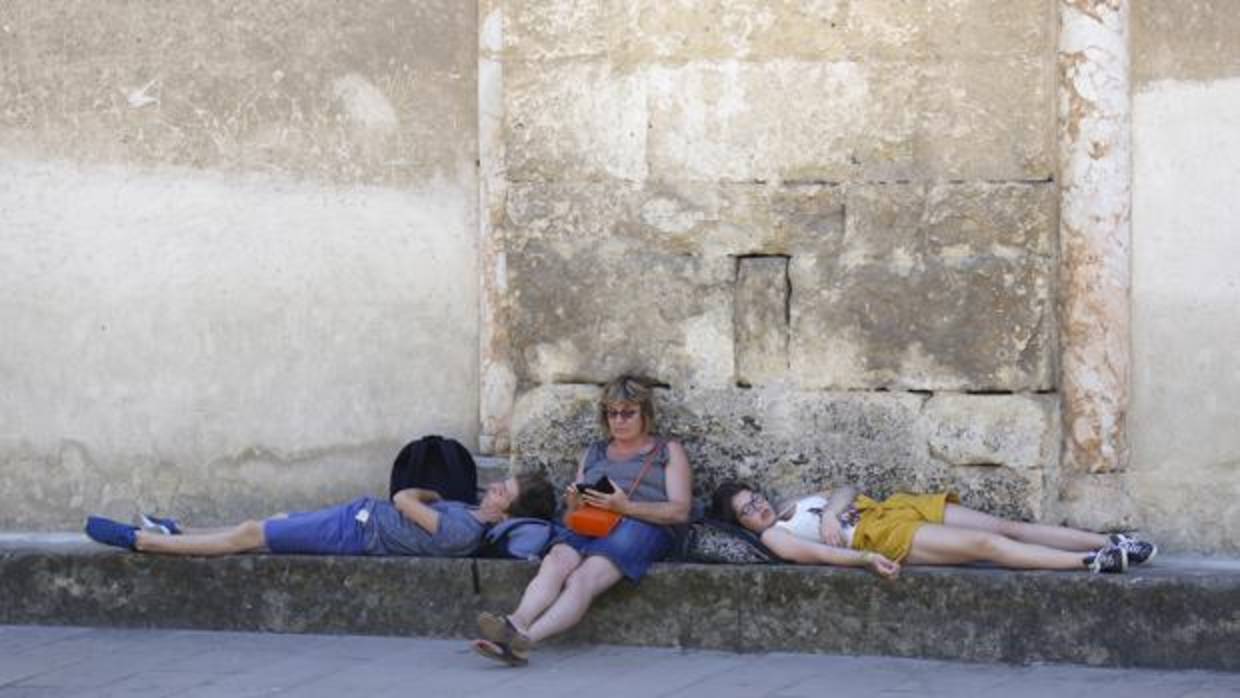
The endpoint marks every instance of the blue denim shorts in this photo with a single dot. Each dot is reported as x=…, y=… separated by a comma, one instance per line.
x=331, y=531
x=631, y=546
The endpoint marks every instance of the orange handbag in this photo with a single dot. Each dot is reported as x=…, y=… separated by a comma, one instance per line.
x=591, y=521
x=594, y=522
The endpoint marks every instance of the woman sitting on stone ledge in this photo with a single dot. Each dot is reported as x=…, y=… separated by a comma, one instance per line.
x=650, y=489
x=842, y=527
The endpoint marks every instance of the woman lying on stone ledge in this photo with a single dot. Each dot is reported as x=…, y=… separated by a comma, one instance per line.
x=843, y=527
x=645, y=484
x=416, y=522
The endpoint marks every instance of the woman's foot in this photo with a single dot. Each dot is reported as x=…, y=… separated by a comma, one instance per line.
x=499, y=652
x=501, y=631
x=1110, y=559
x=1138, y=550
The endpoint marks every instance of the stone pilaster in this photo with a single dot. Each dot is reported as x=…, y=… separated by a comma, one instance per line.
x=497, y=381
x=1095, y=232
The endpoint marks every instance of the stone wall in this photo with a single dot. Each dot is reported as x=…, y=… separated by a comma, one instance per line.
x=237, y=251
x=828, y=227
x=240, y=243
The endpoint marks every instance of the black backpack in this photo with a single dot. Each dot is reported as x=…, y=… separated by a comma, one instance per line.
x=439, y=464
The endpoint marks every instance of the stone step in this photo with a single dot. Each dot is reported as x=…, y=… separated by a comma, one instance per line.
x=491, y=469
x=1175, y=613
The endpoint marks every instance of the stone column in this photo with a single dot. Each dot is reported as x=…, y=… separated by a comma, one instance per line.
x=1095, y=178
x=497, y=381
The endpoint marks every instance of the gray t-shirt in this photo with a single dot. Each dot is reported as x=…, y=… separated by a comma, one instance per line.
x=459, y=533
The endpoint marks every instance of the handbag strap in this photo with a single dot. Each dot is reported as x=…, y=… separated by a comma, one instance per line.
x=658, y=446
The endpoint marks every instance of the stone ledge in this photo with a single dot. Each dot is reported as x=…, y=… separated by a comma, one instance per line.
x=1180, y=613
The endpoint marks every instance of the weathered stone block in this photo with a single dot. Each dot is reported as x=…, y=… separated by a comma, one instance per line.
x=1017, y=431
x=885, y=30
x=676, y=321
x=761, y=319
x=781, y=120
x=1006, y=219
x=574, y=121
x=749, y=29
x=577, y=252
x=989, y=28
x=559, y=29
x=634, y=31
x=744, y=91
x=737, y=219
x=987, y=119
x=790, y=442
x=926, y=292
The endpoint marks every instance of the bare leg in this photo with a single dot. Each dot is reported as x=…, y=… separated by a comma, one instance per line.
x=594, y=576
x=934, y=544
x=242, y=538
x=559, y=563
x=196, y=531
x=1060, y=537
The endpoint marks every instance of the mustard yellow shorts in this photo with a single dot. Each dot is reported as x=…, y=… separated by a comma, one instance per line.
x=887, y=527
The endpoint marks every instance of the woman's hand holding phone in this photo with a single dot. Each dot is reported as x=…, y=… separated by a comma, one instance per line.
x=614, y=500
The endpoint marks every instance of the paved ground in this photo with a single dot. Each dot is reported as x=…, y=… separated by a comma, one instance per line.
x=46, y=661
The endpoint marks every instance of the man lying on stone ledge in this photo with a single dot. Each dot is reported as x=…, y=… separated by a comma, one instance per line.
x=843, y=527
x=416, y=522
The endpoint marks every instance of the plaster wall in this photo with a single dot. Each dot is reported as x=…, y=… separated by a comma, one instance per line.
x=1184, y=476
x=237, y=252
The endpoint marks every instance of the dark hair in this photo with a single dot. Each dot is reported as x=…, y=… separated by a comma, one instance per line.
x=535, y=497
x=627, y=389
x=721, y=508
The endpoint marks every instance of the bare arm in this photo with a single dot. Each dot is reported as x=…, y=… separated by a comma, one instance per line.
x=572, y=498
x=789, y=547
x=839, y=499
x=679, y=484
x=414, y=504
x=829, y=528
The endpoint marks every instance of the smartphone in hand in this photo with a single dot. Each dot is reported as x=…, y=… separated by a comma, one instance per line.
x=603, y=485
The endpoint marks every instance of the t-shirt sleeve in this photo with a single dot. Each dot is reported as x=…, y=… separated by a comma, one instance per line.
x=459, y=533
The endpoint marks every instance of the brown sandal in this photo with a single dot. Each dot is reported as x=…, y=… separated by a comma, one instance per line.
x=500, y=652
x=501, y=631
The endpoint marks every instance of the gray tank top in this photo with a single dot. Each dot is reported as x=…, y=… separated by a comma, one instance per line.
x=653, y=487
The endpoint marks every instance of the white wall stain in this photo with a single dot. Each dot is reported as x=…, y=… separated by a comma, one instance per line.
x=365, y=103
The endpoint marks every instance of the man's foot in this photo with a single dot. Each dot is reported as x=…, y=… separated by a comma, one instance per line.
x=500, y=630
x=1111, y=559
x=159, y=524
x=1138, y=550
x=111, y=532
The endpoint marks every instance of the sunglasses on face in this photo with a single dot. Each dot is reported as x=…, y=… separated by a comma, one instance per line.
x=622, y=415
x=753, y=505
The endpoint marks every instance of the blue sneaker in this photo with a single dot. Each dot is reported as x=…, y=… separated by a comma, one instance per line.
x=111, y=532
x=159, y=524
